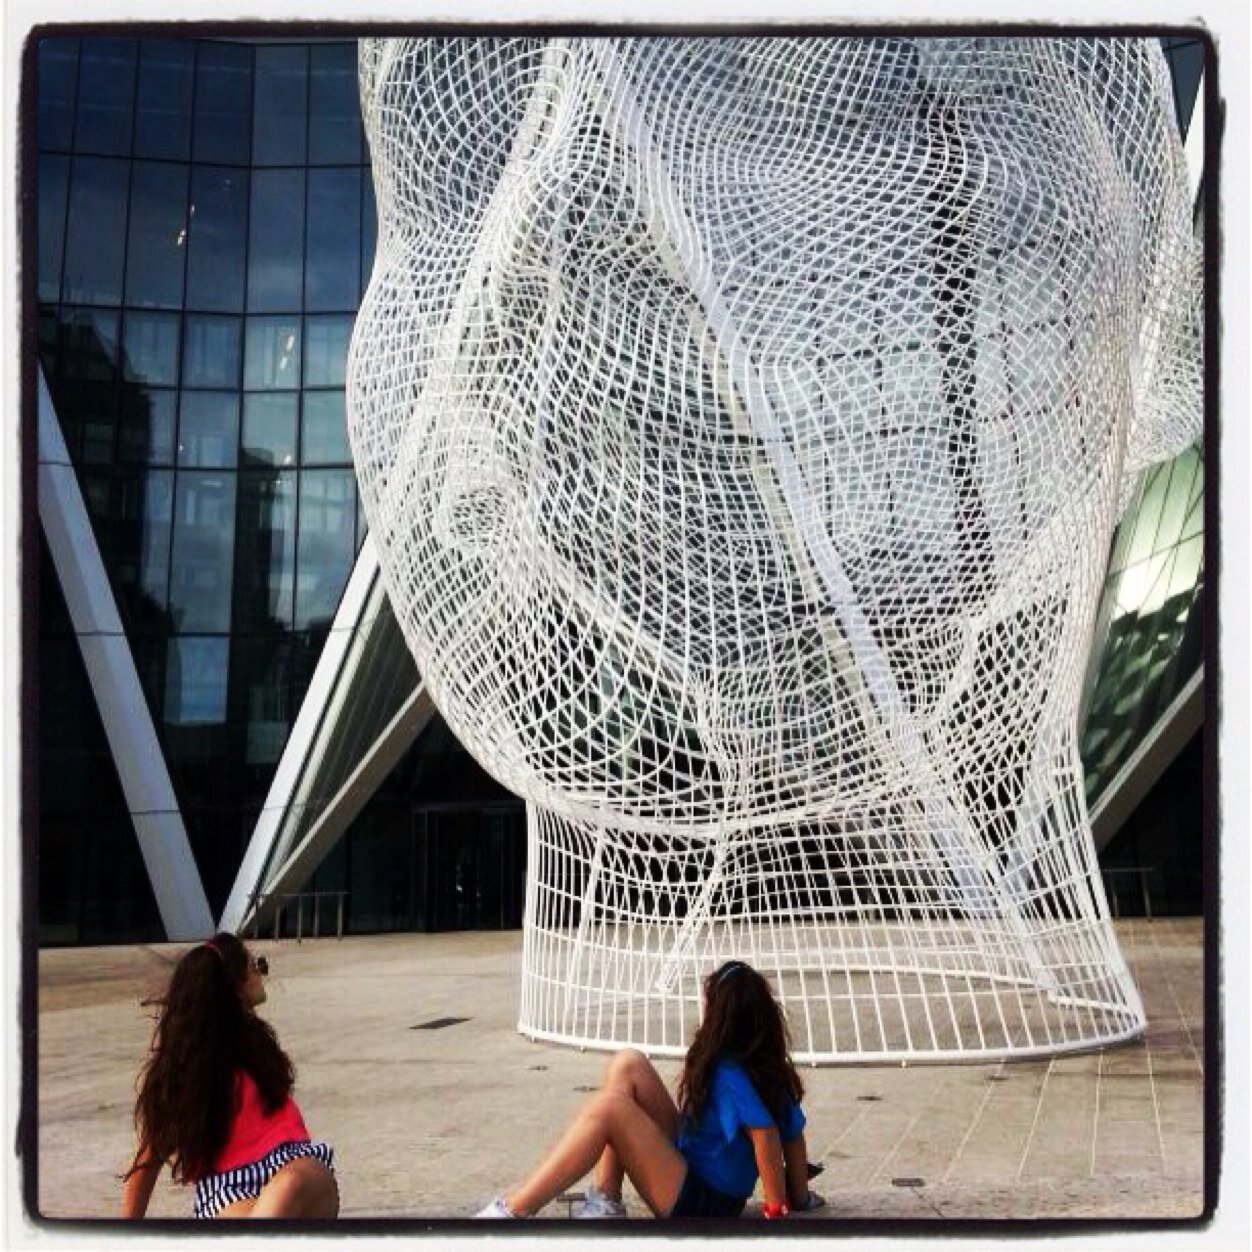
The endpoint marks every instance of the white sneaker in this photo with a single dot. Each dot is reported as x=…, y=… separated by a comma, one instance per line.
x=497, y=1208
x=597, y=1204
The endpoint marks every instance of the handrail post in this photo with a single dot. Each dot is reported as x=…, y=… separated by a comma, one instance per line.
x=339, y=925
x=299, y=919
x=317, y=913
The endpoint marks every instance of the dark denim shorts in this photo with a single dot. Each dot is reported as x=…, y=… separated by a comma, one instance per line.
x=697, y=1199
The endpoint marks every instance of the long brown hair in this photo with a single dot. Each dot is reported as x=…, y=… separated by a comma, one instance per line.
x=205, y=1034
x=742, y=1022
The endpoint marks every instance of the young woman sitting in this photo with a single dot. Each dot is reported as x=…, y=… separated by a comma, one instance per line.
x=215, y=1099
x=737, y=1117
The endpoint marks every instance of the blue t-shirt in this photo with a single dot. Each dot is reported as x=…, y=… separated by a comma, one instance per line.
x=715, y=1144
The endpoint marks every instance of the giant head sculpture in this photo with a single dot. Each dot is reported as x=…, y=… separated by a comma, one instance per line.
x=742, y=424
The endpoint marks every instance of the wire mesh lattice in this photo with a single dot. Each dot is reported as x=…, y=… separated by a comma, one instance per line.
x=742, y=423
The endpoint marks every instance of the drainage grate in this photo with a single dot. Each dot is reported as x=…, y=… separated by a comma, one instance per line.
x=438, y=1023
x=869, y=1099
x=908, y=1182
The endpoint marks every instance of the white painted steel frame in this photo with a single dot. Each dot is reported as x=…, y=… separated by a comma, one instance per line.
x=742, y=424
x=110, y=666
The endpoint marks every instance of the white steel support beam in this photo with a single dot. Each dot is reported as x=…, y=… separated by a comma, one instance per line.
x=115, y=684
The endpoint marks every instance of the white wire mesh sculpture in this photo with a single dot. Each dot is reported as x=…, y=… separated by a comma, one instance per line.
x=742, y=424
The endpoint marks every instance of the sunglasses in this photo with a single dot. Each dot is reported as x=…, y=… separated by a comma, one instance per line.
x=260, y=964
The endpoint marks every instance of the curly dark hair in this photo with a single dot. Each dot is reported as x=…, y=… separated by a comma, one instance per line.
x=205, y=1034
x=742, y=1022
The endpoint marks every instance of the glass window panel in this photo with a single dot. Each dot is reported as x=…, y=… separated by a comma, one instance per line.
x=203, y=551
x=163, y=108
x=96, y=230
x=146, y=433
x=1187, y=64
x=1194, y=523
x=211, y=351
x=106, y=94
x=208, y=428
x=269, y=428
x=326, y=543
x=89, y=344
x=369, y=227
x=150, y=348
x=1174, y=509
x=87, y=404
x=334, y=106
x=98, y=430
x=276, y=241
x=279, y=116
x=362, y=522
x=266, y=560
x=54, y=178
x=1186, y=572
x=1148, y=515
x=49, y=340
x=333, y=279
x=326, y=350
x=260, y=677
x=223, y=127
x=195, y=681
x=156, y=251
x=56, y=74
x=273, y=353
x=217, y=237
x=324, y=437
x=140, y=547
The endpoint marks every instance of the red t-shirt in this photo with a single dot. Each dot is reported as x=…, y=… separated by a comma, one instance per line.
x=253, y=1133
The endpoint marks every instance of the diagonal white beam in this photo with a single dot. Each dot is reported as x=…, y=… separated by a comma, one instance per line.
x=115, y=684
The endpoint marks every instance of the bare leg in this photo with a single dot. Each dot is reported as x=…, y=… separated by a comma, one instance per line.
x=631, y=1072
x=302, y=1188
x=610, y=1119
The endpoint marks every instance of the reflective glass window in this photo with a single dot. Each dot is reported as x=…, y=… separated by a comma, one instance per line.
x=150, y=348
x=88, y=406
x=269, y=428
x=369, y=228
x=49, y=340
x=217, y=237
x=223, y=126
x=326, y=543
x=276, y=241
x=195, y=680
x=280, y=111
x=324, y=433
x=156, y=252
x=146, y=430
x=260, y=678
x=273, y=354
x=326, y=350
x=1174, y=511
x=98, y=427
x=57, y=74
x=1187, y=64
x=106, y=96
x=265, y=561
x=210, y=351
x=54, y=177
x=96, y=230
x=89, y=344
x=141, y=553
x=333, y=278
x=203, y=551
x=208, y=428
x=334, y=105
x=163, y=107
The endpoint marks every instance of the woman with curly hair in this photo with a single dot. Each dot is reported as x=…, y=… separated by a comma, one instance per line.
x=214, y=1099
x=737, y=1117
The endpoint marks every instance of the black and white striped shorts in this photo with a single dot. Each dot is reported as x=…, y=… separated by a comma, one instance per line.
x=216, y=1191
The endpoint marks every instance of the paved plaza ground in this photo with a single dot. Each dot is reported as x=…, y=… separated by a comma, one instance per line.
x=430, y=1123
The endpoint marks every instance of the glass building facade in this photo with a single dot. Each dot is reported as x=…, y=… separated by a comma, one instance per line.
x=206, y=226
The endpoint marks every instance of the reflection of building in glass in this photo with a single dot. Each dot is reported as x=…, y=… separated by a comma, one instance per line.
x=205, y=229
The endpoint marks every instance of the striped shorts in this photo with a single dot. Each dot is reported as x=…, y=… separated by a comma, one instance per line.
x=216, y=1191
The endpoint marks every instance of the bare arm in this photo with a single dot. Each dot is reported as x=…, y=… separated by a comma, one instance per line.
x=137, y=1188
x=768, y=1149
x=796, y=1157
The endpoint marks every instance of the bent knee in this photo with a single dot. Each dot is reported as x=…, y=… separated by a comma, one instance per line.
x=626, y=1061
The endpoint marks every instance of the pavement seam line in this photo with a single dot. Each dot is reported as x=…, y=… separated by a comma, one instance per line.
x=1034, y=1124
